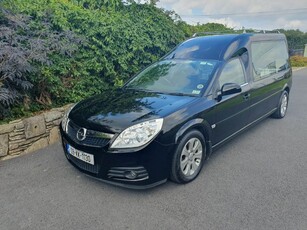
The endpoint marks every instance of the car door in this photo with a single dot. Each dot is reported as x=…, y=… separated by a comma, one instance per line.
x=231, y=111
x=270, y=65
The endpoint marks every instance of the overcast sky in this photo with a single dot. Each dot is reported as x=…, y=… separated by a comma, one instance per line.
x=256, y=14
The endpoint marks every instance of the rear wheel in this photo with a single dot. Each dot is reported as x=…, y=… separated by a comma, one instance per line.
x=189, y=157
x=282, y=107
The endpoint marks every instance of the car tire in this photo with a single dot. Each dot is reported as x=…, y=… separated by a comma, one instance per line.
x=188, y=158
x=282, y=106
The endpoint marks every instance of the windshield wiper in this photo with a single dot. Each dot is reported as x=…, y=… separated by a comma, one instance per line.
x=161, y=92
x=141, y=90
x=180, y=94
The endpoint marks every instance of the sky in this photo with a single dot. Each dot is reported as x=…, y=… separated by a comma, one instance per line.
x=256, y=14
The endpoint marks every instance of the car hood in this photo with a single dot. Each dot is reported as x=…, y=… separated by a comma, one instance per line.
x=114, y=111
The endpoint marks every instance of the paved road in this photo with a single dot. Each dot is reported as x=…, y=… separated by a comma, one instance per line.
x=257, y=181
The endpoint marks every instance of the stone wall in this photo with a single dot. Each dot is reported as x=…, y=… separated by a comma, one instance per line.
x=30, y=134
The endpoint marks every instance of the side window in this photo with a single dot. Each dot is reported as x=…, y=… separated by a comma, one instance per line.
x=232, y=73
x=269, y=57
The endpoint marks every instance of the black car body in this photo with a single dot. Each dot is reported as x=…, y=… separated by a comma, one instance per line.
x=213, y=87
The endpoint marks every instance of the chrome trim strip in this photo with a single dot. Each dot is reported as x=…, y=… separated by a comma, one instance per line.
x=247, y=108
x=227, y=118
x=94, y=133
x=264, y=99
x=66, y=126
x=245, y=127
x=103, y=135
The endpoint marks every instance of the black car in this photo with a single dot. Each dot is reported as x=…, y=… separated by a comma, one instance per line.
x=165, y=121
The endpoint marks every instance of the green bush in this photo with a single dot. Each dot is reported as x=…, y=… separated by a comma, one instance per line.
x=26, y=48
x=118, y=40
x=190, y=30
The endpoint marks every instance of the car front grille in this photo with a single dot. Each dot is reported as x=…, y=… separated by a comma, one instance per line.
x=83, y=165
x=93, y=138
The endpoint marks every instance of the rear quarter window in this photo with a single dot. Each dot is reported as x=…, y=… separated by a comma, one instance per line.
x=268, y=58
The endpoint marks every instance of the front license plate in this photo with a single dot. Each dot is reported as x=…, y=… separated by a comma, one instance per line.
x=88, y=158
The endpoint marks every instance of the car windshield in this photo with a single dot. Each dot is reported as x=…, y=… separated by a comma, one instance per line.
x=175, y=76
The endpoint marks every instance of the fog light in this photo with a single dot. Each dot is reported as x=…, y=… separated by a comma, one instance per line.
x=131, y=174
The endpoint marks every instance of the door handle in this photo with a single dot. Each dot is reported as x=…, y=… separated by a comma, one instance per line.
x=246, y=96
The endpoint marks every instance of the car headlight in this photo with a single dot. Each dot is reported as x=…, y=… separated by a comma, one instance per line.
x=65, y=119
x=138, y=135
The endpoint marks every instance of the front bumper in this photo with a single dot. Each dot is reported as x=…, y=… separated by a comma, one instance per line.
x=141, y=169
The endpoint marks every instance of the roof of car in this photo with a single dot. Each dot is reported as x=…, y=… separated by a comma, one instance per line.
x=217, y=47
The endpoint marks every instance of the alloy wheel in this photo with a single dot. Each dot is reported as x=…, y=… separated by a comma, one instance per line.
x=191, y=156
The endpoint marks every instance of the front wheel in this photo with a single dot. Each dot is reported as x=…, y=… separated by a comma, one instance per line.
x=282, y=107
x=188, y=158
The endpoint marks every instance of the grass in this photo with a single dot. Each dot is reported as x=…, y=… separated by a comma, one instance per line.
x=298, y=61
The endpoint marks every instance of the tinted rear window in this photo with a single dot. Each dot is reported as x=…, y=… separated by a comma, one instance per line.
x=269, y=57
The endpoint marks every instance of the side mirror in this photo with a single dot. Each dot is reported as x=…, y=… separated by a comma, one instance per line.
x=230, y=88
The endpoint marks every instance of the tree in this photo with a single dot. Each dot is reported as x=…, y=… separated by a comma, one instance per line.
x=296, y=38
x=118, y=42
x=99, y=4
x=23, y=48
